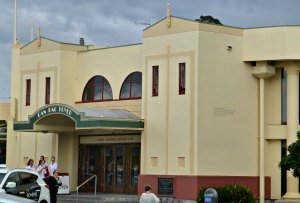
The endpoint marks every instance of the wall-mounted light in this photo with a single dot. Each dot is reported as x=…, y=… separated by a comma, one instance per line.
x=229, y=48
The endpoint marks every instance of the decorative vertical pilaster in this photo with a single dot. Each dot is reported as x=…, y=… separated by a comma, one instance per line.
x=292, y=123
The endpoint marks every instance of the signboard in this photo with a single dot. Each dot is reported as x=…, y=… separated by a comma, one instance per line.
x=110, y=139
x=65, y=186
x=165, y=186
x=55, y=109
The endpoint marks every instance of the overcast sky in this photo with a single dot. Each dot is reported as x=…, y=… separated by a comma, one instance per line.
x=103, y=22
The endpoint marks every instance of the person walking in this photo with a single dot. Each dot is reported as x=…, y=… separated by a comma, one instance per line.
x=148, y=196
x=53, y=183
x=53, y=165
x=30, y=165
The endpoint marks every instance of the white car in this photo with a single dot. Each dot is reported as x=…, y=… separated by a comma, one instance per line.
x=5, y=198
x=25, y=184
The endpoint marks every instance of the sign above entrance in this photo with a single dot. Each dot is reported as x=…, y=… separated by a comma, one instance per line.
x=79, y=118
x=55, y=109
x=110, y=139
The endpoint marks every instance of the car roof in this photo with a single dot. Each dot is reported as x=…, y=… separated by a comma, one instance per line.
x=3, y=170
x=6, y=170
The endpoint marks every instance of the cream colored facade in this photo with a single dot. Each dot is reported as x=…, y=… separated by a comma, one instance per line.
x=4, y=109
x=4, y=115
x=211, y=130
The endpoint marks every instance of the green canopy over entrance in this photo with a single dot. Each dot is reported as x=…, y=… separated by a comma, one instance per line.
x=57, y=114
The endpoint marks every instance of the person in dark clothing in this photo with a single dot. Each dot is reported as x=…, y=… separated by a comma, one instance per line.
x=53, y=183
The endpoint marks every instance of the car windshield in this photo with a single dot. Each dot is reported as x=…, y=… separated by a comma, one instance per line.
x=2, y=176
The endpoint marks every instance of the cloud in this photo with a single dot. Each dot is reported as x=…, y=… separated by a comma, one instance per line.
x=5, y=62
x=111, y=23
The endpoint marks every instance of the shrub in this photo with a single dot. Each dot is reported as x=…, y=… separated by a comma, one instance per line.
x=230, y=194
x=200, y=197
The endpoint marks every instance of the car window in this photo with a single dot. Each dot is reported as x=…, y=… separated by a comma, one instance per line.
x=14, y=177
x=27, y=178
x=2, y=176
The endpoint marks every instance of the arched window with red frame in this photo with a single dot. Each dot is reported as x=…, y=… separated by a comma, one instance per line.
x=97, y=89
x=132, y=86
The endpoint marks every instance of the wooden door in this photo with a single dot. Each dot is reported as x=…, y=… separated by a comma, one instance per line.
x=120, y=168
x=109, y=164
x=101, y=169
x=134, y=167
x=117, y=167
x=114, y=168
x=88, y=166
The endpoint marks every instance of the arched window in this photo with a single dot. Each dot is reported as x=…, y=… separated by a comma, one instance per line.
x=132, y=86
x=97, y=89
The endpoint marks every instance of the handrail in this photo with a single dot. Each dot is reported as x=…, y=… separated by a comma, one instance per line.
x=94, y=176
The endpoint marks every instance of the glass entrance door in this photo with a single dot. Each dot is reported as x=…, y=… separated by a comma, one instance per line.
x=109, y=169
x=134, y=161
x=119, y=170
x=114, y=168
x=88, y=166
x=117, y=167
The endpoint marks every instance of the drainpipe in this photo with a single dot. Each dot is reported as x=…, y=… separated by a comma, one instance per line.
x=261, y=141
x=262, y=71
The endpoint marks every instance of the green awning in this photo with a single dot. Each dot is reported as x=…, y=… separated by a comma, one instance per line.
x=92, y=118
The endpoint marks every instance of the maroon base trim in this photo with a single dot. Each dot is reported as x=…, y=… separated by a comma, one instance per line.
x=187, y=187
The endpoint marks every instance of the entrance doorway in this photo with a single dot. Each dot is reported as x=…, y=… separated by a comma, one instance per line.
x=117, y=167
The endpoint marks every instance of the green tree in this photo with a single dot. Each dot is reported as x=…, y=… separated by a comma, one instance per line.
x=208, y=19
x=292, y=161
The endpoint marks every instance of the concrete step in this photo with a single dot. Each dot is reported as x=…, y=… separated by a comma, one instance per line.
x=93, y=201
x=116, y=198
x=109, y=197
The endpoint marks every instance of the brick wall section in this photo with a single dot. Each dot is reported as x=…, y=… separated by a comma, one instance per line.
x=187, y=187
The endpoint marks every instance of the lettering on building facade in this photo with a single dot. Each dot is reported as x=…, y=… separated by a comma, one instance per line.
x=54, y=109
x=110, y=139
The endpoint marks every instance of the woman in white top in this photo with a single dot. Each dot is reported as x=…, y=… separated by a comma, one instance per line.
x=41, y=169
x=53, y=165
x=148, y=196
x=30, y=165
x=43, y=158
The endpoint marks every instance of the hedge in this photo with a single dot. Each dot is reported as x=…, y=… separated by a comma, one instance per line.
x=230, y=194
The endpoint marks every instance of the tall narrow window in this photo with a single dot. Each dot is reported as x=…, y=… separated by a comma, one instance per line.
x=283, y=97
x=181, y=78
x=47, y=93
x=154, y=80
x=283, y=172
x=28, y=89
